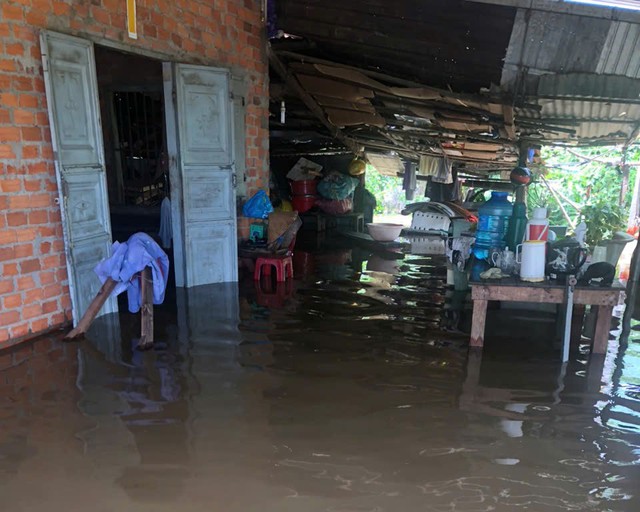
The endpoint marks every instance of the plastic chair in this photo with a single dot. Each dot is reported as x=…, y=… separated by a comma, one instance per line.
x=283, y=265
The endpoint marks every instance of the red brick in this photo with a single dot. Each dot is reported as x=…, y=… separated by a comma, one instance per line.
x=23, y=84
x=16, y=219
x=25, y=283
x=24, y=117
x=6, y=286
x=39, y=325
x=9, y=65
x=60, y=8
x=28, y=101
x=12, y=12
x=29, y=201
x=5, y=117
x=31, y=311
x=8, y=185
x=30, y=151
x=18, y=331
x=28, y=266
x=23, y=251
x=32, y=296
x=50, y=307
x=6, y=151
x=10, y=269
x=9, y=317
x=9, y=134
x=101, y=15
x=53, y=290
x=33, y=185
x=36, y=18
x=45, y=247
x=7, y=253
x=12, y=301
x=31, y=134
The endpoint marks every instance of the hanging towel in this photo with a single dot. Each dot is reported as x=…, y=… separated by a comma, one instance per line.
x=166, y=231
x=129, y=258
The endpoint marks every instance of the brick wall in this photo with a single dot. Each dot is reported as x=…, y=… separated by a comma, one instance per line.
x=34, y=293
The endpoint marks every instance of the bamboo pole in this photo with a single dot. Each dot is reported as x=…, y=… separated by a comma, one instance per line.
x=555, y=196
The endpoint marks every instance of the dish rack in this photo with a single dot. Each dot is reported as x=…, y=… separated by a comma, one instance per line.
x=430, y=222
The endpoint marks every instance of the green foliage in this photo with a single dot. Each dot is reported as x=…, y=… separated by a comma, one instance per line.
x=584, y=181
x=603, y=219
x=387, y=190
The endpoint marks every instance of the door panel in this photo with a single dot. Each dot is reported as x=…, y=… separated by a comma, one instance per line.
x=205, y=167
x=72, y=99
x=210, y=246
x=206, y=134
x=208, y=195
x=87, y=210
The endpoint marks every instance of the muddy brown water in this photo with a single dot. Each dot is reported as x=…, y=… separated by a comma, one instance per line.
x=339, y=392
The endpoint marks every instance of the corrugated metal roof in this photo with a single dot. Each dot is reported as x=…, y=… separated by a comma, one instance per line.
x=593, y=121
x=589, y=85
x=548, y=42
x=621, y=52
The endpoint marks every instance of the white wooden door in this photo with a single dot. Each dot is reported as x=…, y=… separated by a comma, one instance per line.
x=203, y=176
x=74, y=117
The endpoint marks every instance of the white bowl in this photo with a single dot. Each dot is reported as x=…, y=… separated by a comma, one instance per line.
x=384, y=231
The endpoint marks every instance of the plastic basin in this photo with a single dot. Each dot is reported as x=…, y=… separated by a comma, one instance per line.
x=384, y=231
x=302, y=204
x=304, y=187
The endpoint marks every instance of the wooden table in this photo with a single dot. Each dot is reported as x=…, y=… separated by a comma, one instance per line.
x=548, y=292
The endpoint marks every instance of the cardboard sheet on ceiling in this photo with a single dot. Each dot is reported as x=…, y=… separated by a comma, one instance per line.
x=333, y=89
x=417, y=93
x=387, y=165
x=352, y=76
x=363, y=105
x=339, y=117
x=473, y=146
x=465, y=127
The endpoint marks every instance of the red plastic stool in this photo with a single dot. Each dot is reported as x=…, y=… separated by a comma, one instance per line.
x=283, y=264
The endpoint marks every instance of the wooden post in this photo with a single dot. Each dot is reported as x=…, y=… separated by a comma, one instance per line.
x=602, y=331
x=478, y=322
x=93, y=309
x=146, y=312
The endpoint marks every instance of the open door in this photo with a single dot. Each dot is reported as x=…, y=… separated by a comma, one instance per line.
x=199, y=112
x=74, y=117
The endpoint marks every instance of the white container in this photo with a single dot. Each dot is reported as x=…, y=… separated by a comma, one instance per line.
x=538, y=226
x=531, y=255
x=384, y=231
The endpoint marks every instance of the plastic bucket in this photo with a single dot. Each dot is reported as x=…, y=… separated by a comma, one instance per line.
x=304, y=187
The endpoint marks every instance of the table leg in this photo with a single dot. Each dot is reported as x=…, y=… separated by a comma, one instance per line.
x=603, y=328
x=576, y=325
x=477, y=324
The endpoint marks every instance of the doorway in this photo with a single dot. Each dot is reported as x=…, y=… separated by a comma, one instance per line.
x=151, y=105
x=135, y=146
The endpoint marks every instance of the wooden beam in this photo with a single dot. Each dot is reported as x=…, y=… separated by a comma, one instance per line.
x=507, y=111
x=308, y=100
x=146, y=311
x=93, y=309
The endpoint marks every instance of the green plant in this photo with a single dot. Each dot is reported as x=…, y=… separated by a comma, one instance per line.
x=603, y=219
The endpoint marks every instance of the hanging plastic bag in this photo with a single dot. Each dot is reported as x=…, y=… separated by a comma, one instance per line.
x=337, y=186
x=258, y=207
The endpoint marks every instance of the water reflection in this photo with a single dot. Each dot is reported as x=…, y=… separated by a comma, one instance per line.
x=337, y=392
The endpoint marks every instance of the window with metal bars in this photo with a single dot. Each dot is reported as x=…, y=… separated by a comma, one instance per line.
x=140, y=146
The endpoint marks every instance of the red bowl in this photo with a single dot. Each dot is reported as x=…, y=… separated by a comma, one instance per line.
x=303, y=203
x=304, y=187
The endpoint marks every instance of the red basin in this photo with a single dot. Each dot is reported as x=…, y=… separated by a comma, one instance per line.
x=303, y=203
x=304, y=187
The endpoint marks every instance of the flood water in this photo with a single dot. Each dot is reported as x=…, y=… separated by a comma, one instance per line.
x=350, y=389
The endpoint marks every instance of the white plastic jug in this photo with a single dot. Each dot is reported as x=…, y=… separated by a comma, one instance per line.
x=531, y=255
